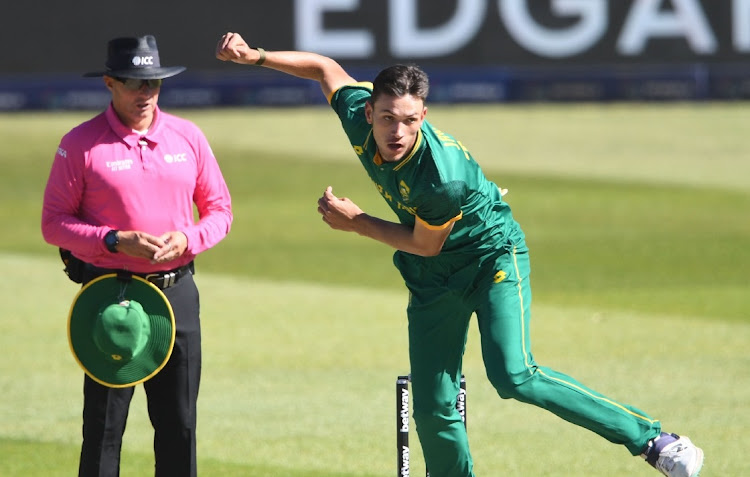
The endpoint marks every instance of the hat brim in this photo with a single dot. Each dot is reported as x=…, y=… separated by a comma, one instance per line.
x=84, y=311
x=140, y=73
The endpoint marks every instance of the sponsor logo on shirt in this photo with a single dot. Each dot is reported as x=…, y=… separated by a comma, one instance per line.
x=120, y=165
x=170, y=158
x=62, y=152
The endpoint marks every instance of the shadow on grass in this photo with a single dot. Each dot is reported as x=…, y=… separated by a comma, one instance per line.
x=21, y=458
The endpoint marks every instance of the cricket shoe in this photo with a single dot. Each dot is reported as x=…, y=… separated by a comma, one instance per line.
x=674, y=456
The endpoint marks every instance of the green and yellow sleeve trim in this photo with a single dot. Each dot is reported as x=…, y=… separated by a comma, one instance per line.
x=365, y=84
x=443, y=226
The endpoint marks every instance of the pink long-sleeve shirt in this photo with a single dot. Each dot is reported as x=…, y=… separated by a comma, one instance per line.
x=105, y=176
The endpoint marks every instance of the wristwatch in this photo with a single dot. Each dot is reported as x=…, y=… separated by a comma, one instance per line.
x=111, y=240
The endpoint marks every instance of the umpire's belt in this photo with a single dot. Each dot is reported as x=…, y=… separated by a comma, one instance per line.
x=162, y=280
x=166, y=279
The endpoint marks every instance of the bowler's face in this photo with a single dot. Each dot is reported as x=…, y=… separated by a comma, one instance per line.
x=134, y=108
x=395, y=124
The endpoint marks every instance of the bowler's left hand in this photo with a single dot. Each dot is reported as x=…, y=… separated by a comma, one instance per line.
x=338, y=213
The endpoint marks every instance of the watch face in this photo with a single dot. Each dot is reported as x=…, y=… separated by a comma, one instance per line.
x=111, y=240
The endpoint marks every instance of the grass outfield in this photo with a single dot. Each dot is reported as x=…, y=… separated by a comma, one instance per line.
x=636, y=217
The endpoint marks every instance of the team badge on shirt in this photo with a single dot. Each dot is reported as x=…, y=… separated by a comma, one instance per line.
x=404, y=190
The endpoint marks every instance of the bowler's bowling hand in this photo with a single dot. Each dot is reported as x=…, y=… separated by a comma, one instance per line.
x=232, y=47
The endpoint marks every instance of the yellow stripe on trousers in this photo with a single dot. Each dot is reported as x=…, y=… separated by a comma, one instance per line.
x=533, y=369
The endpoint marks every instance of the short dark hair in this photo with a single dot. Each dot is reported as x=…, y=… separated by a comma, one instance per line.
x=401, y=80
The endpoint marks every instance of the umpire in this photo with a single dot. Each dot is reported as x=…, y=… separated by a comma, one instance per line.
x=119, y=199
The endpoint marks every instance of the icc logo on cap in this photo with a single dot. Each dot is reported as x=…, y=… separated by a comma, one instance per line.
x=143, y=60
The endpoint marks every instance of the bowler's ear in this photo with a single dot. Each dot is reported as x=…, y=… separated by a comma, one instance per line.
x=368, y=112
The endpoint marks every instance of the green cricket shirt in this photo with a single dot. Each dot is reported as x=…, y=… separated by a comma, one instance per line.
x=438, y=182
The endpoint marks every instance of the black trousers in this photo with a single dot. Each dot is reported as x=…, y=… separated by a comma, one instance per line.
x=172, y=396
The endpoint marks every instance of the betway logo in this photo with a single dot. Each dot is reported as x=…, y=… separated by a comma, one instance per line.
x=404, y=411
x=461, y=404
x=404, y=470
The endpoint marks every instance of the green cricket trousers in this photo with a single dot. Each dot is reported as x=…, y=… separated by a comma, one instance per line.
x=444, y=293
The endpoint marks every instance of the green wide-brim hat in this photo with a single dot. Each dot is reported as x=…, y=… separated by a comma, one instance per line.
x=121, y=330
